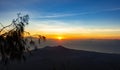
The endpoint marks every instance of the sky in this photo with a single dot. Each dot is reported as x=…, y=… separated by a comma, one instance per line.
x=67, y=19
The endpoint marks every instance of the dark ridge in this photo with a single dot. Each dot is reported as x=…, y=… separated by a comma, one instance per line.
x=61, y=58
x=55, y=47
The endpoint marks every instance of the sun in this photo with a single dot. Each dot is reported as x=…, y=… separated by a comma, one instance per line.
x=59, y=37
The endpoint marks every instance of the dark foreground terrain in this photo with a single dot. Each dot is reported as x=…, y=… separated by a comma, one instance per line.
x=60, y=58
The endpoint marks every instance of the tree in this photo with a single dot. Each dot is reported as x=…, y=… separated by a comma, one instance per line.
x=13, y=43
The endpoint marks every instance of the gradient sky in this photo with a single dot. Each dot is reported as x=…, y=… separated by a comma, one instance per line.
x=67, y=18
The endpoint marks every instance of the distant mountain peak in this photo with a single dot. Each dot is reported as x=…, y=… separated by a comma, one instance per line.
x=47, y=46
x=59, y=47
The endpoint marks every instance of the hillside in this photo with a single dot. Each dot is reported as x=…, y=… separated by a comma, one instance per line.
x=61, y=58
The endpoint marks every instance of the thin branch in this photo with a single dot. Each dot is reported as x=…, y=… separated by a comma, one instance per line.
x=4, y=27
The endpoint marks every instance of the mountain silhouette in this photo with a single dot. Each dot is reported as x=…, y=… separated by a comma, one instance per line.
x=55, y=48
x=61, y=58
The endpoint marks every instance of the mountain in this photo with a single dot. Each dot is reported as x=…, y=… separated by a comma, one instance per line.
x=54, y=48
x=61, y=58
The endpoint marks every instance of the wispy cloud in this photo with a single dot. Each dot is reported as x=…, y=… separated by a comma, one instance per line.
x=113, y=9
x=46, y=15
x=56, y=15
x=60, y=27
x=51, y=15
x=98, y=11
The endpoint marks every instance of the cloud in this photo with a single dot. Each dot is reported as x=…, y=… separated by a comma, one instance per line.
x=113, y=9
x=98, y=11
x=56, y=15
x=46, y=15
x=61, y=27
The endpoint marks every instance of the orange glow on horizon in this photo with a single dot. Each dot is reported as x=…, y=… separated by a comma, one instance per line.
x=83, y=36
x=59, y=37
x=63, y=37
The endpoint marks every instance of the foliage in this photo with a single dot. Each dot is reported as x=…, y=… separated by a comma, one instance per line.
x=13, y=44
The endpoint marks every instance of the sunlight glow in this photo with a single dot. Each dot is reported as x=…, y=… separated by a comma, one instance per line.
x=61, y=31
x=60, y=37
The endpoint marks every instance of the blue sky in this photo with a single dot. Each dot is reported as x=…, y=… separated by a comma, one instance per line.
x=86, y=15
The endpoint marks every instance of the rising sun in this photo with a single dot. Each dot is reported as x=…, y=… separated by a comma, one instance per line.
x=59, y=37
